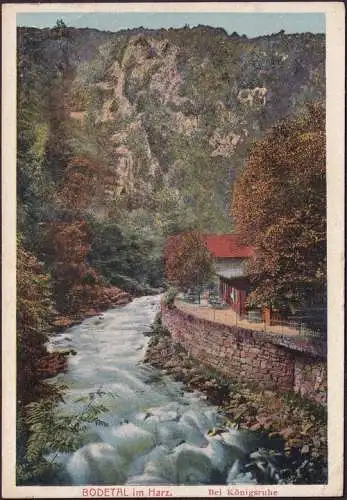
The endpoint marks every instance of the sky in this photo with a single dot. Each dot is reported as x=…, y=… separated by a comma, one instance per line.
x=250, y=24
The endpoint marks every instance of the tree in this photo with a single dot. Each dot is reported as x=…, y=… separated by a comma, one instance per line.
x=188, y=263
x=65, y=246
x=279, y=207
x=127, y=254
x=60, y=24
x=34, y=316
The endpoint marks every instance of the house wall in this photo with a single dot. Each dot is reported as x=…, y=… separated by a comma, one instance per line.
x=235, y=264
x=238, y=290
x=248, y=356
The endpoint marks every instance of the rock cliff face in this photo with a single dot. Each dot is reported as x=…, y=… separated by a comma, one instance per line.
x=171, y=113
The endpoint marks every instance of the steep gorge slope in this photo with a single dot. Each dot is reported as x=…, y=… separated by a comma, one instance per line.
x=180, y=109
x=177, y=109
x=148, y=128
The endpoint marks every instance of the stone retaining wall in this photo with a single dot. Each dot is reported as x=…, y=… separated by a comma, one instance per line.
x=249, y=356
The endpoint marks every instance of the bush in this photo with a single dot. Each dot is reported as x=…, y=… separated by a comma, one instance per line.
x=89, y=278
x=170, y=296
x=158, y=330
x=128, y=284
x=34, y=316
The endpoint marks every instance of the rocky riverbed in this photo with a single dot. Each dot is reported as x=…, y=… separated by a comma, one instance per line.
x=299, y=423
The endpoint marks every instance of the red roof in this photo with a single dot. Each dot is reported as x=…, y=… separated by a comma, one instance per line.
x=226, y=246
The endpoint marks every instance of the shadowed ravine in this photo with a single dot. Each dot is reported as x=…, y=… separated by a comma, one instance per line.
x=157, y=433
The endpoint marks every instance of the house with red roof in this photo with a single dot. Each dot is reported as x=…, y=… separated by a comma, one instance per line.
x=230, y=264
x=230, y=258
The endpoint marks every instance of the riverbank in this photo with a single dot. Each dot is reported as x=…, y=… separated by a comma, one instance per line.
x=301, y=424
x=110, y=297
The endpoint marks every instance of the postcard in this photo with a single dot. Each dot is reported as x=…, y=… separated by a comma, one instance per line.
x=173, y=249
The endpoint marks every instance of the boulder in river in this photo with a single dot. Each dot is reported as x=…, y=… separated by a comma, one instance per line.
x=192, y=465
x=159, y=463
x=97, y=463
x=130, y=440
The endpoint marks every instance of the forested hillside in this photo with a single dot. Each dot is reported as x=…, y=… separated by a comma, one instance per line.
x=139, y=134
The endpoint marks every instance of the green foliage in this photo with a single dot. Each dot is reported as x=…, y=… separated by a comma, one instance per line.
x=53, y=429
x=34, y=318
x=78, y=99
x=118, y=47
x=95, y=98
x=89, y=278
x=126, y=255
x=170, y=296
x=296, y=401
x=34, y=187
x=158, y=331
x=173, y=215
x=42, y=149
x=114, y=106
x=201, y=182
x=60, y=24
x=34, y=315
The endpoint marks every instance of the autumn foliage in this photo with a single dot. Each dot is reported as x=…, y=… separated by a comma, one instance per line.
x=279, y=207
x=188, y=263
x=34, y=316
x=82, y=182
x=77, y=286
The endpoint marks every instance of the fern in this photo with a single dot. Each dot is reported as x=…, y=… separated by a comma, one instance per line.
x=52, y=430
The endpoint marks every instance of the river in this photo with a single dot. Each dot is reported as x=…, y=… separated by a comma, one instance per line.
x=156, y=433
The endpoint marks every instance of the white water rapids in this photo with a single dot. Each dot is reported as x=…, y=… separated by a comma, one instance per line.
x=157, y=433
